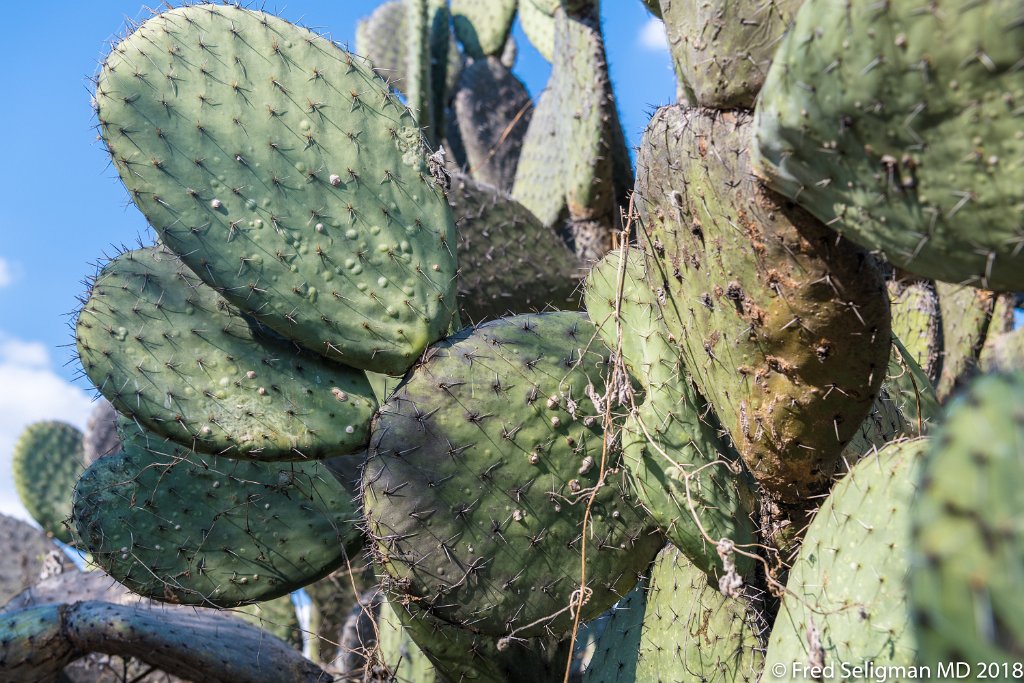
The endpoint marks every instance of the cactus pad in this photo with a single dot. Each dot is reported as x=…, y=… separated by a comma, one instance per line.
x=894, y=124
x=47, y=462
x=218, y=120
x=482, y=26
x=967, y=543
x=27, y=552
x=508, y=261
x=966, y=314
x=846, y=598
x=481, y=467
x=492, y=111
x=178, y=526
x=917, y=322
x=677, y=627
x=684, y=474
x=167, y=350
x=785, y=330
x=723, y=48
x=40, y=641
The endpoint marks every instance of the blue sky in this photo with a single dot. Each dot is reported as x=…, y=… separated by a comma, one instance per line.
x=62, y=207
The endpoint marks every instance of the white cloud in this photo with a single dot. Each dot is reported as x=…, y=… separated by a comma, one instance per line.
x=652, y=36
x=6, y=272
x=30, y=390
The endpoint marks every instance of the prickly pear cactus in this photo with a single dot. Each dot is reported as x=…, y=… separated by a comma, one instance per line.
x=240, y=531
x=167, y=350
x=687, y=478
x=482, y=26
x=40, y=641
x=398, y=652
x=917, y=322
x=966, y=314
x=508, y=261
x=492, y=110
x=722, y=49
x=346, y=247
x=881, y=174
x=482, y=470
x=677, y=627
x=785, y=330
x=47, y=462
x=967, y=539
x=1004, y=352
x=846, y=600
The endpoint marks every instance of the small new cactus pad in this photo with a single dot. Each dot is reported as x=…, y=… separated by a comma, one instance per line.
x=100, y=437
x=686, y=477
x=895, y=124
x=27, y=553
x=785, y=330
x=482, y=26
x=201, y=646
x=967, y=560
x=183, y=527
x=218, y=120
x=482, y=467
x=167, y=350
x=47, y=462
x=508, y=261
x=723, y=48
x=492, y=111
x=677, y=627
x=917, y=322
x=846, y=597
x=966, y=313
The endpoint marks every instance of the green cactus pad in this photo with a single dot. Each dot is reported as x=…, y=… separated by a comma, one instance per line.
x=482, y=26
x=587, y=132
x=917, y=322
x=40, y=641
x=459, y=654
x=167, y=350
x=684, y=474
x=492, y=111
x=785, y=331
x=723, y=48
x=966, y=313
x=508, y=261
x=539, y=27
x=895, y=124
x=677, y=627
x=178, y=526
x=277, y=617
x=540, y=181
x=100, y=437
x=1003, y=353
x=399, y=652
x=967, y=561
x=376, y=41
x=481, y=468
x=47, y=462
x=288, y=178
x=846, y=598
x=426, y=63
